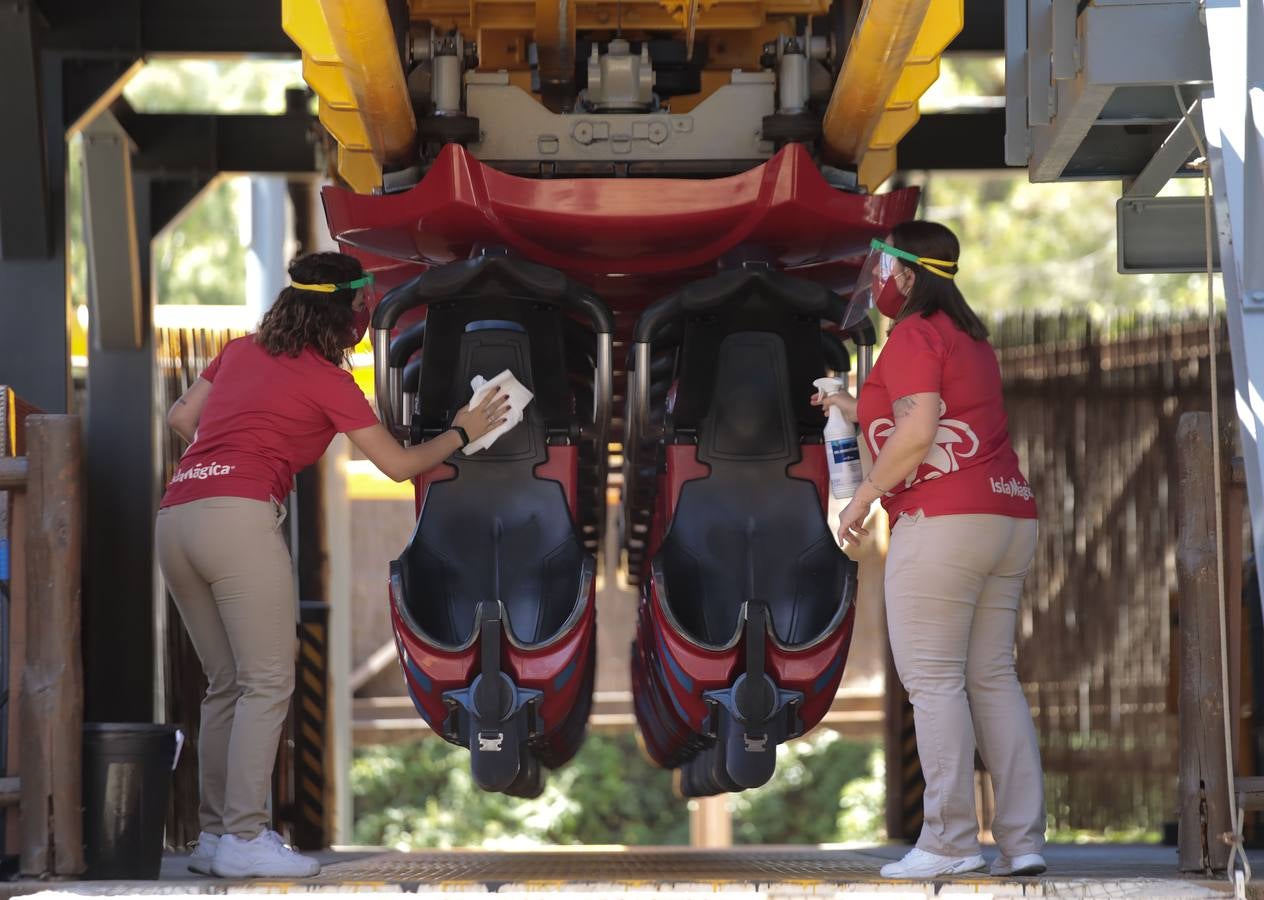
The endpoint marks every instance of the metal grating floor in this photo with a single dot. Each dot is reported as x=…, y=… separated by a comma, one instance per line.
x=1096, y=871
x=607, y=866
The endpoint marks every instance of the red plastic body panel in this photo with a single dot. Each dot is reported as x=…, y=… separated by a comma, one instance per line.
x=671, y=674
x=543, y=669
x=438, y=670
x=682, y=466
x=632, y=239
x=421, y=484
x=815, y=468
x=562, y=466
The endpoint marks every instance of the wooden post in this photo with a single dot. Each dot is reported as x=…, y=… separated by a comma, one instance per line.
x=1203, y=781
x=710, y=822
x=51, y=703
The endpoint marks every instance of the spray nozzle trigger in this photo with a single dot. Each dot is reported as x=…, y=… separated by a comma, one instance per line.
x=828, y=386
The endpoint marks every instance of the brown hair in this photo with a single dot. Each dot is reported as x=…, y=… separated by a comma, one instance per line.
x=323, y=321
x=933, y=293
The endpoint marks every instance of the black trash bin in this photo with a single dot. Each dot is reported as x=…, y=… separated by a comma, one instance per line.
x=126, y=785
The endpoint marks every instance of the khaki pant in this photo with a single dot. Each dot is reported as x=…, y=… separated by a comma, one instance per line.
x=228, y=569
x=952, y=589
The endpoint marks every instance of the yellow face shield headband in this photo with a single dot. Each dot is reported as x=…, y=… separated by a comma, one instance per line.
x=329, y=288
x=941, y=267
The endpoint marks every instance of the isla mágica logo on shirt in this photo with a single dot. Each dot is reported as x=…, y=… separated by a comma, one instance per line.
x=1011, y=488
x=201, y=473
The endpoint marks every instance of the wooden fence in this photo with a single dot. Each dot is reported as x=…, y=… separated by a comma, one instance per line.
x=1093, y=413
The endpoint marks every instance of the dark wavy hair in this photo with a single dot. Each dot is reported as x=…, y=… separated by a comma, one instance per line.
x=933, y=293
x=300, y=319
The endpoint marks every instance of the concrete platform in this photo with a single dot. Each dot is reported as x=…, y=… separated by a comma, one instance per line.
x=784, y=873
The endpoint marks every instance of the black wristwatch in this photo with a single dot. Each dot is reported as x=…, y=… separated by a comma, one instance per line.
x=460, y=432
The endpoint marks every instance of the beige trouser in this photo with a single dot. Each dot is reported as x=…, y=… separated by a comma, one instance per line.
x=228, y=569
x=952, y=589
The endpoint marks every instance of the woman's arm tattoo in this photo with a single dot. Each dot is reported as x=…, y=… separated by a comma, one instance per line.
x=904, y=406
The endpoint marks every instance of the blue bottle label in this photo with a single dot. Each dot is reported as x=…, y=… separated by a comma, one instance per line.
x=4, y=559
x=844, y=450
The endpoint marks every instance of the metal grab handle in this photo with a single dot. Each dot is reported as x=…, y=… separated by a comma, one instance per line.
x=641, y=392
x=387, y=383
x=864, y=336
x=865, y=365
x=603, y=393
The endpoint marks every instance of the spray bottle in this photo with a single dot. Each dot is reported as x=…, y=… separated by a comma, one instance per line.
x=842, y=452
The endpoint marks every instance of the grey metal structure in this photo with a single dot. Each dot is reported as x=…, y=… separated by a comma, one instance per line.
x=620, y=80
x=1118, y=89
x=1234, y=123
x=1102, y=91
x=725, y=127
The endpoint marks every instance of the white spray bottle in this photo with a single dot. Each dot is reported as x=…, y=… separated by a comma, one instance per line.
x=842, y=452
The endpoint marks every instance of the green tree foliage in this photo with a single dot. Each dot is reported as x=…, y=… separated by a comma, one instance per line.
x=200, y=259
x=1048, y=247
x=421, y=795
x=213, y=85
x=801, y=803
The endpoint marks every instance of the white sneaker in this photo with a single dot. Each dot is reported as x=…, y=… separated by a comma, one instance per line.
x=264, y=857
x=1026, y=864
x=920, y=864
x=203, y=853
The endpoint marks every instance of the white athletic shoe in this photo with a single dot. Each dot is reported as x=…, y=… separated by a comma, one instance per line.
x=920, y=864
x=203, y=853
x=1026, y=864
x=264, y=857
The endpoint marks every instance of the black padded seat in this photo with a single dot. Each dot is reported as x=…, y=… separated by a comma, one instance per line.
x=496, y=531
x=748, y=531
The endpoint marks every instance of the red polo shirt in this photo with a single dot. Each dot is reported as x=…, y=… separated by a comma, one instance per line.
x=972, y=467
x=267, y=417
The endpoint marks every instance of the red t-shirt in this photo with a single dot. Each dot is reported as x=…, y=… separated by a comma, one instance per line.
x=266, y=418
x=972, y=468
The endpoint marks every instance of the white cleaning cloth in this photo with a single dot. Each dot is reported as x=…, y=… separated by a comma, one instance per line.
x=518, y=396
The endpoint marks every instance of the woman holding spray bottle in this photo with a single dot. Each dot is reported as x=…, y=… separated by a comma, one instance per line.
x=963, y=534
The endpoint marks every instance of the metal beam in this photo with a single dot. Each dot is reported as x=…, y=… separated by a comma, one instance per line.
x=35, y=355
x=1161, y=234
x=109, y=224
x=190, y=144
x=118, y=608
x=1144, y=43
x=1053, y=145
x=1066, y=49
x=964, y=140
x=24, y=201
x=1234, y=125
x=984, y=29
x=1017, y=132
x=1119, y=46
x=190, y=27
x=1170, y=159
x=1040, y=97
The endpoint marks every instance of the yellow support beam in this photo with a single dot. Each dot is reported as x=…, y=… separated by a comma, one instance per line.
x=892, y=60
x=350, y=60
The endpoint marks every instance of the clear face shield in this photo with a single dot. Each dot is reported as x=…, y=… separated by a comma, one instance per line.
x=876, y=271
